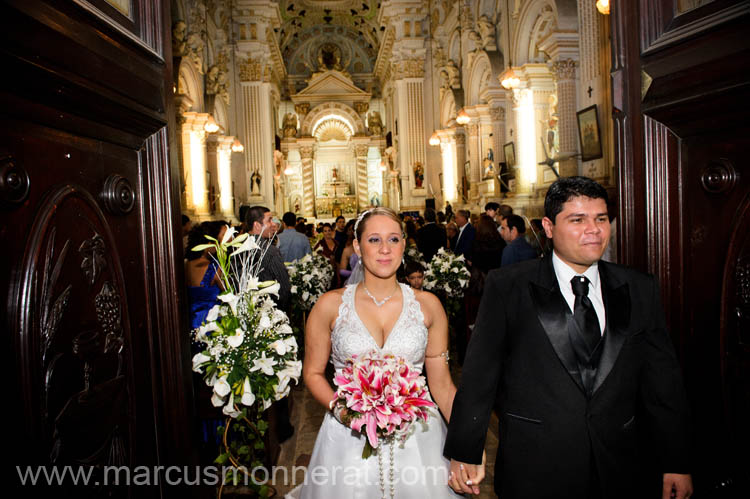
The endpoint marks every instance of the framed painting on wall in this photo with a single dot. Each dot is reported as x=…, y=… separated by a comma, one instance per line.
x=589, y=134
x=510, y=154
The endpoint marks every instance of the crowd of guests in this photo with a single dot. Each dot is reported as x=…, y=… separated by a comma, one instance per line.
x=497, y=237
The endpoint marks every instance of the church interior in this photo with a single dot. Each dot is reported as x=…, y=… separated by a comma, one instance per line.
x=121, y=116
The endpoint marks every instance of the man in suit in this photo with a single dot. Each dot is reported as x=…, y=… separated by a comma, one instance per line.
x=466, y=233
x=576, y=351
x=431, y=237
x=512, y=230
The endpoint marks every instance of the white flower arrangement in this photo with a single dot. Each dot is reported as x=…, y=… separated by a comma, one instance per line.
x=413, y=254
x=250, y=353
x=447, y=274
x=310, y=277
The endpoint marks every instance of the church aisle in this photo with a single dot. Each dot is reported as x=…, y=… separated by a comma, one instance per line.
x=307, y=415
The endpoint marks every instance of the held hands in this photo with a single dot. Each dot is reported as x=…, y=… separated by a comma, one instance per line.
x=677, y=486
x=465, y=478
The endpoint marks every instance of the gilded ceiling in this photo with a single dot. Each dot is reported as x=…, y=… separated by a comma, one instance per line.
x=307, y=25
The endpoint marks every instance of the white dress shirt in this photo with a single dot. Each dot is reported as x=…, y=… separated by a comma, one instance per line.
x=565, y=274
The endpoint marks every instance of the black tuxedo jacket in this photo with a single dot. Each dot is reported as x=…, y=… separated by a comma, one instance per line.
x=465, y=241
x=430, y=239
x=551, y=434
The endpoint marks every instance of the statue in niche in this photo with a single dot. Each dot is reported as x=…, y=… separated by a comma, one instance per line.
x=335, y=174
x=289, y=125
x=329, y=58
x=179, y=41
x=489, y=164
x=374, y=123
x=255, y=179
x=216, y=81
x=418, y=175
x=486, y=32
x=552, y=136
x=450, y=75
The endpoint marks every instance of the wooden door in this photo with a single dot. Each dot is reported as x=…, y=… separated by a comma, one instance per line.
x=680, y=93
x=89, y=216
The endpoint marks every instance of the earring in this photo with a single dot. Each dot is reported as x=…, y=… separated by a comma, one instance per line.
x=403, y=261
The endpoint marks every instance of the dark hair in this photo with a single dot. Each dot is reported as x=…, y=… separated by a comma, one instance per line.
x=340, y=217
x=300, y=227
x=429, y=215
x=517, y=222
x=255, y=214
x=413, y=266
x=466, y=214
x=243, y=213
x=324, y=225
x=492, y=206
x=440, y=216
x=185, y=219
x=197, y=235
x=563, y=189
x=411, y=229
x=505, y=210
x=486, y=229
x=289, y=219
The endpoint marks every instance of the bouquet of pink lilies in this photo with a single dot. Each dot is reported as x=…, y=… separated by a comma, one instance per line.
x=383, y=395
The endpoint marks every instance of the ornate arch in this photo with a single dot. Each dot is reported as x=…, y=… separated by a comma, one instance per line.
x=189, y=83
x=332, y=108
x=536, y=19
x=484, y=71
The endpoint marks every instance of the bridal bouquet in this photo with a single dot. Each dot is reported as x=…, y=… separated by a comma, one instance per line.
x=384, y=396
x=250, y=353
x=310, y=277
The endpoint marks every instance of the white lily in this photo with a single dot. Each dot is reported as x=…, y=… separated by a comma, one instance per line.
x=264, y=364
x=248, y=398
x=228, y=235
x=269, y=289
x=206, y=328
x=222, y=388
x=249, y=244
x=264, y=322
x=231, y=300
x=237, y=338
x=280, y=346
x=217, y=401
x=229, y=409
x=198, y=360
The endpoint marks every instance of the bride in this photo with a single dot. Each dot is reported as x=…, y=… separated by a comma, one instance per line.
x=379, y=314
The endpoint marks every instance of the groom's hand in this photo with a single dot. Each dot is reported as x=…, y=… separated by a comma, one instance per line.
x=676, y=486
x=465, y=478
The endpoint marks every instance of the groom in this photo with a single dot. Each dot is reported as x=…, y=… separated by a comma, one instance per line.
x=576, y=352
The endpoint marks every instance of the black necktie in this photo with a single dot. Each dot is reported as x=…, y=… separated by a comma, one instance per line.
x=584, y=313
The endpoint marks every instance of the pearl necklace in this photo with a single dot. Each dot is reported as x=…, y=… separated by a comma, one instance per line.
x=379, y=303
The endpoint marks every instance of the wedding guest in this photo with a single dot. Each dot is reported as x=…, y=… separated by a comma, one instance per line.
x=512, y=230
x=451, y=231
x=292, y=244
x=327, y=247
x=414, y=274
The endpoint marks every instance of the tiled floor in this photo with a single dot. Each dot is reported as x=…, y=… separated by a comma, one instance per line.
x=307, y=414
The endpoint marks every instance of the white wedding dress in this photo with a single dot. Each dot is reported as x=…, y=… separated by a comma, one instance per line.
x=336, y=468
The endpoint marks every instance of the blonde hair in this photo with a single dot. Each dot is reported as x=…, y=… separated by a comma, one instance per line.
x=359, y=227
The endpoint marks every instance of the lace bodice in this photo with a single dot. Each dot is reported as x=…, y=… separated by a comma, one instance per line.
x=407, y=339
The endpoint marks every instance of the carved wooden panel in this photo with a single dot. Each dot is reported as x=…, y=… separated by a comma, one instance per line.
x=97, y=355
x=681, y=141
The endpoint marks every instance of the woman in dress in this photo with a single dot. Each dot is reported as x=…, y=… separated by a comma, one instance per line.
x=201, y=271
x=382, y=315
x=327, y=247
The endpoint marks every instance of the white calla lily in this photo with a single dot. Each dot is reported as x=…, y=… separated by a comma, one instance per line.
x=237, y=338
x=216, y=400
x=221, y=387
x=229, y=409
x=198, y=360
x=264, y=364
x=248, y=398
x=249, y=244
x=228, y=235
x=269, y=289
x=231, y=300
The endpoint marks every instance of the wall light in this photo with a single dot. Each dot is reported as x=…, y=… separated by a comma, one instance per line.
x=434, y=139
x=602, y=6
x=211, y=126
x=237, y=146
x=509, y=79
x=463, y=117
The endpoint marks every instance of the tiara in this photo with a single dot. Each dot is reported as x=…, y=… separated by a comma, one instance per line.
x=359, y=219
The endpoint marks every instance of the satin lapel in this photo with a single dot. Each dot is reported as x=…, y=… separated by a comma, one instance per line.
x=554, y=315
x=616, y=296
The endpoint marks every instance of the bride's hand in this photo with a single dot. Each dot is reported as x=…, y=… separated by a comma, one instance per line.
x=465, y=478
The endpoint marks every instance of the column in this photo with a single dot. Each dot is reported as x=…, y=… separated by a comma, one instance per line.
x=497, y=117
x=474, y=159
x=306, y=153
x=564, y=72
x=411, y=131
x=183, y=103
x=219, y=151
x=459, y=139
x=194, y=161
x=360, y=151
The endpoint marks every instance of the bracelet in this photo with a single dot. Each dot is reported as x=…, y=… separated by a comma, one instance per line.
x=446, y=355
